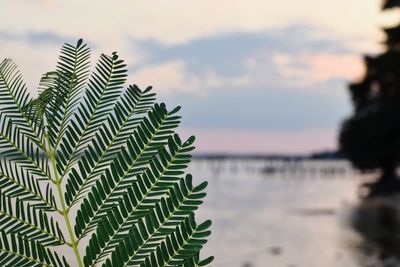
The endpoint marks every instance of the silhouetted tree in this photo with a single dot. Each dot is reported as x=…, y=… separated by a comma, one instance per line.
x=371, y=137
x=391, y=4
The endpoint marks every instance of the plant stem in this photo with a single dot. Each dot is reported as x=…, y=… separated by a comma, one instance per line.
x=67, y=221
x=65, y=210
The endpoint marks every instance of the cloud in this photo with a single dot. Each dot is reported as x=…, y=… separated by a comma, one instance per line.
x=298, y=55
x=235, y=47
x=35, y=38
x=261, y=109
x=234, y=68
x=286, y=79
x=308, y=69
x=173, y=75
x=179, y=21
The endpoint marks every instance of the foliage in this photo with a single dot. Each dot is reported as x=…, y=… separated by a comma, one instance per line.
x=88, y=162
x=390, y=4
x=371, y=137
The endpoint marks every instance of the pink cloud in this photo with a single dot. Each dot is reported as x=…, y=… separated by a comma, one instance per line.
x=263, y=141
x=326, y=66
x=321, y=67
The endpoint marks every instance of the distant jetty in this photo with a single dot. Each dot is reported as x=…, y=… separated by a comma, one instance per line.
x=325, y=155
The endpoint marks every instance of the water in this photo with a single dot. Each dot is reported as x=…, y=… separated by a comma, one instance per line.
x=290, y=215
x=279, y=214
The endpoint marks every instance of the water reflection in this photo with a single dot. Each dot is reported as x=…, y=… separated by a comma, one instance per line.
x=296, y=213
x=293, y=216
x=377, y=220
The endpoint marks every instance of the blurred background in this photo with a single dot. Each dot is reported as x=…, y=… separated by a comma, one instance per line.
x=271, y=72
x=263, y=87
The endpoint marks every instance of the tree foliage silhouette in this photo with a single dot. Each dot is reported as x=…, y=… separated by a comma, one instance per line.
x=88, y=160
x=371, y=137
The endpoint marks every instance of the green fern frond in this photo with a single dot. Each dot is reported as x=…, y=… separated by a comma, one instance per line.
x=72, y=72
x=20, y=151
x=13, y=98
x=30, y=222
x=162, y=215
x=17, y=184
x=86, y=140
x=104, y=88
x=142, y=146
x=17, y=251
x=196, y=262
x=179, y=247
x=36, y=108
x=112, y=135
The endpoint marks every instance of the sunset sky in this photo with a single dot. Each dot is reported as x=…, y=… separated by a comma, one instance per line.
x=254, y=76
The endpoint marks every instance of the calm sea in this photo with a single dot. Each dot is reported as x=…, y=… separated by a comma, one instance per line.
x=281, y=214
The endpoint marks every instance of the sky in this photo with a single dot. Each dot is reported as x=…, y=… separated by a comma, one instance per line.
x=254, y=76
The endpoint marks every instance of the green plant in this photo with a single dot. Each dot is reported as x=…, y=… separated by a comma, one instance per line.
x=89, y=162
